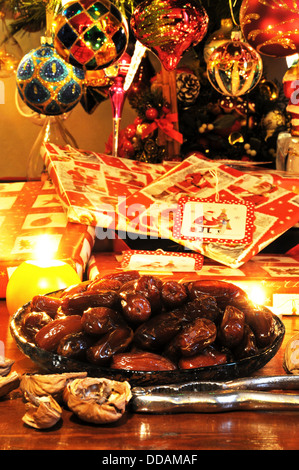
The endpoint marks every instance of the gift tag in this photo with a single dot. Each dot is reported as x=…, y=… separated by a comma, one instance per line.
x=225, y=221
x=161, y=261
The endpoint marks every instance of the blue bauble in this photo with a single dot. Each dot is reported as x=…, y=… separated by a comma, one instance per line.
x=47, y=84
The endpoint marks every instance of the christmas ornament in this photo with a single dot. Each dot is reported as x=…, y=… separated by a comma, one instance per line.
x=169, y=27
x=46, y=83
x=188, y=87
x=8, y=64
x=268, y=89
x=271, y=121
x=90, y=35
x=271, y=27
x=234, y=68
x=96, y=87
x=117, y=95
x=218, y=37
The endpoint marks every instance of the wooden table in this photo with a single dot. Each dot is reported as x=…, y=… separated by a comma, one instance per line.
x=254, y=430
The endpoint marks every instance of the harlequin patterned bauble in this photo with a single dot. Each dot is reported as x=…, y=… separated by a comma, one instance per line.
x=169, y=27
x=270, y=26
x=234, y=68
x=90, y=35
x=47, y=84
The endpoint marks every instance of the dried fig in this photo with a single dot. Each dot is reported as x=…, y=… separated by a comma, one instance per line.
x=97, y=400
x=5, y=366
x=42, y=412
x=48, y=384
x=8, y=383
x=291, y=355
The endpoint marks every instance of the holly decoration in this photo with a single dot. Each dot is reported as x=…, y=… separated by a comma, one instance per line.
x=135, y=141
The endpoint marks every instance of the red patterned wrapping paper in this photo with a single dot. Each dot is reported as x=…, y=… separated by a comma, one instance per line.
x=91, y=184
x=276, y=276
x=31, y=209
x=276, y=209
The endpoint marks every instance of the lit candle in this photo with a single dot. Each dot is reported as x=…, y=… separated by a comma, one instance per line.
x=41, y=276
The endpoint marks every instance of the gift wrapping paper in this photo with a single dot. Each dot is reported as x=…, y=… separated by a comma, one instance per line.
x=276, y=209
x=29, y=210
x=91, y=185
x=143, y=199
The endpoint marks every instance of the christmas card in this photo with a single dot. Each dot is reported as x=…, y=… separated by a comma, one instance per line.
x=29, y=210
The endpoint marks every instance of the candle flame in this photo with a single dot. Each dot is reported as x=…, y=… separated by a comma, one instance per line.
x=45, y=249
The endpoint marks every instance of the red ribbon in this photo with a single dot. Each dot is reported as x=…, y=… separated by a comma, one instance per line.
x=165, y=123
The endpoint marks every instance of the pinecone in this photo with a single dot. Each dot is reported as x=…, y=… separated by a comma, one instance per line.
x=188, y=87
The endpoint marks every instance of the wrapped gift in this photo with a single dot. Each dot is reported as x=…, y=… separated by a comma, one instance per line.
x=91, y=185
x=285, y=179
x=269, y=279
x=223, y=213
x=29, y=210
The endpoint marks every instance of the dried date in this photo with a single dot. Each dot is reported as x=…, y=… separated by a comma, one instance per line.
x=204, y=306
x=154, y=334
x=136, y=308
x=193, y=338
x=78, y=303
x=74, y=345
x=122, y=277
x=150, y=287
x=173, y=294
x=45, y=303
x=105, y=284
x=208, y=357
x=51, y=334
x=76, y=289
x=142, y=361
x=32, y=322
x=111, y=343
x=231, y=330
x=100, y=320
x=224, y=292
x=248, y=346
x=261, y=322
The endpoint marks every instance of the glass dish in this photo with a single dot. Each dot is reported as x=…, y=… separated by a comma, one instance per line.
x=54, y=363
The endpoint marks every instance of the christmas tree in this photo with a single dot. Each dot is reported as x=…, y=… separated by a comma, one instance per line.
x=242, y=127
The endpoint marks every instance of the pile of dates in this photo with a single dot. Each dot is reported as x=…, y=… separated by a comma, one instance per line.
x=140, y=322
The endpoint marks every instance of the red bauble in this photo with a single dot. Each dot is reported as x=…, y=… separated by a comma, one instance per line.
x=127, y=149
x=271, y=27
x=130, y=131
x=169, y=27
x=151, y=114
